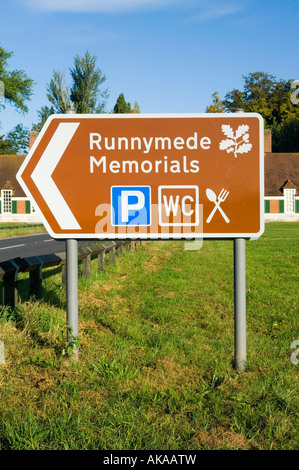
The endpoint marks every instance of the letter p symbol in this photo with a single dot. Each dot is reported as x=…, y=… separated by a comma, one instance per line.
x=127, y=207
x=131, y=205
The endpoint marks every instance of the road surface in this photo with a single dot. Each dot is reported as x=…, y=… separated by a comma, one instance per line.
x=30, y=245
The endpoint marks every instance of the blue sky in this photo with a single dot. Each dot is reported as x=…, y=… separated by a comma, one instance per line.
x=168, y=55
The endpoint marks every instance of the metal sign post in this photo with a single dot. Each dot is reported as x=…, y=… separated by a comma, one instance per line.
x=240, y=302
x=240, y=298
x=72, y=286
x=72, y=291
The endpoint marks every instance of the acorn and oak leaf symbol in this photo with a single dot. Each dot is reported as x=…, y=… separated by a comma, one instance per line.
x=237, y=142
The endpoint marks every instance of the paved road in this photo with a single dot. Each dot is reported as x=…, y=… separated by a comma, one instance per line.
x=30, y=245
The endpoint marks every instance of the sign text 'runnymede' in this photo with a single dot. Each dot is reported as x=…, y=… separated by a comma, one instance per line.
x=148, y=176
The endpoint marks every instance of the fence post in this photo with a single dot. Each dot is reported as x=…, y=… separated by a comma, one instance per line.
x=86, y=266
x=121, y=250
x=101, y=260
x=112, y=255
x=10, y=281
x=63, y=276
x=35, y=280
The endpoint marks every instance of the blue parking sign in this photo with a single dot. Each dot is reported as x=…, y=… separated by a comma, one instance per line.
x=131, y=205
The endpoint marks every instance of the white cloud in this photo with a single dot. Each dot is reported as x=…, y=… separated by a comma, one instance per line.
x=108, y=6
x=198, y=10
x=214, y=9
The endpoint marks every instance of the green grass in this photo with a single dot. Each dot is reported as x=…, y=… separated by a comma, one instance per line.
x=8, y=229
x=155, y=369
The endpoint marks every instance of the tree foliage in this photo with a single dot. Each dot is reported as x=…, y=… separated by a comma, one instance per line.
x=16, y=89
x=285, y=136
x=84, y=94
x=123, y=107
x=17, y=86
x=217, y=106
x=271, y=97
x=6, y=146
x=15, y=142
x=58, y=93
x=135, y=109
x=43, y=115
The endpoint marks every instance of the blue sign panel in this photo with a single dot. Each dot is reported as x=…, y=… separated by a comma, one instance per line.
x=131, y=205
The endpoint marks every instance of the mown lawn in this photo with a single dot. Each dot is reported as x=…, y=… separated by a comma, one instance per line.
x=155, y=369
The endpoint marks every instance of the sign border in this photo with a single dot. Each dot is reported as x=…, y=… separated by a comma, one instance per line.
x=149, y=236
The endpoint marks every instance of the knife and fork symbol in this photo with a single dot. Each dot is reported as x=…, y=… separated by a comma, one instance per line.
x=217, y=201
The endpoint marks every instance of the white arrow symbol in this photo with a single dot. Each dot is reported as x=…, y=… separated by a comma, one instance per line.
x=42, y=175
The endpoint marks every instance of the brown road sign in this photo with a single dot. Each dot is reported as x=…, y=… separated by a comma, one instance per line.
x=148, y=176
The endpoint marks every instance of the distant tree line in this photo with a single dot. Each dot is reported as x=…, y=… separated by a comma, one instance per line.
x=271, y=97
x=17, y=88
x=262, y=93
x=85, y=94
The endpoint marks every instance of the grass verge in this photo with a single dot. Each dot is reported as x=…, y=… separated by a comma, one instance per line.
x=14, y=229
x=156, y=350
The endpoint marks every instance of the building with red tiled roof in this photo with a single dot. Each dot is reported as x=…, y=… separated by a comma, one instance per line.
x=281, y=184
x=14, y=204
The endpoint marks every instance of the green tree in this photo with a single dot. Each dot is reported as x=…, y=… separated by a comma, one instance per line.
x=121, y=106
x=16, y=90
x=85, y=93
x=17, y=86
x=271, y=97
x=87, y=79
x=19, y=136
x=135, y=109
x=217, y=106
x=264, y=94
x=7, y=147
x=285, y=136
x=58, y=93
x=43, y=115
x=15, y=142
